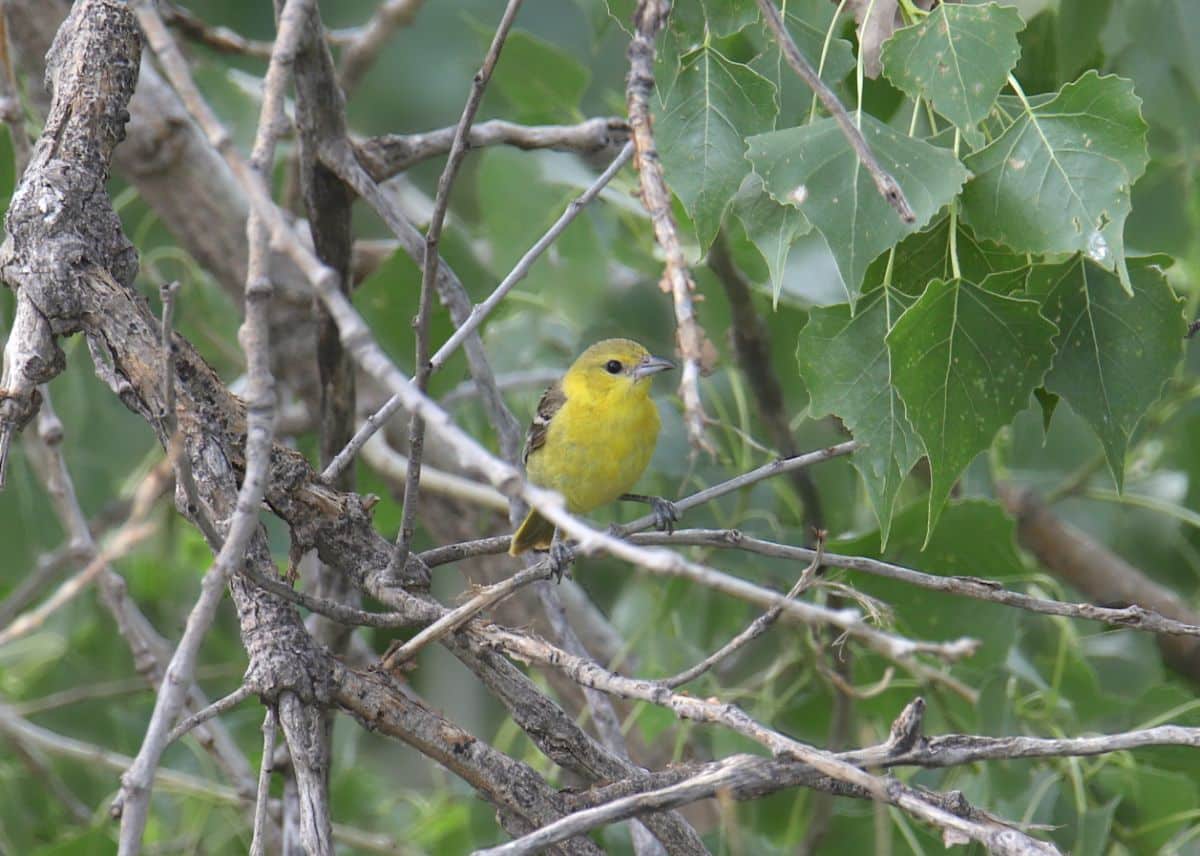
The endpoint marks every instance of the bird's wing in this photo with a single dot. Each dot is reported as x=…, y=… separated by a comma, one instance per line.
x=551, y=402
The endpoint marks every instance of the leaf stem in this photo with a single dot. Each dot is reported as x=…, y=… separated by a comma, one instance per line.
x=954, y=223
x=858, y=65
x=837, y=14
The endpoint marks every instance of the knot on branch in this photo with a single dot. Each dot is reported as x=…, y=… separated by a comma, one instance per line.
x=906, y=730
x=277, y=667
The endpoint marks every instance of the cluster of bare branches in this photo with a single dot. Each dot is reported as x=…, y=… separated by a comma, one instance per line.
x=72, y=269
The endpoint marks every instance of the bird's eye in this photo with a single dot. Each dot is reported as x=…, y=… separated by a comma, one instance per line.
x=613, y=367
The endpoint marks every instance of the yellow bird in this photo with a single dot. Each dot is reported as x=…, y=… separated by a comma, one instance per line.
x=591, y=439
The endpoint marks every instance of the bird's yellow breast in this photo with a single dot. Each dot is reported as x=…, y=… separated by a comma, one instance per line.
x=597, y=447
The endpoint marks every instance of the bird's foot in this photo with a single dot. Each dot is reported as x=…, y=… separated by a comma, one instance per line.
x=562, y=556
x=666, y=514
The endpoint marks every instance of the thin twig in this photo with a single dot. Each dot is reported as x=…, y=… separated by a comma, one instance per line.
x=887, y=186
x=218, y=707
x=479, y=312
x=339, y=611
x=390, y=154
x=454, y=619
x=132, y=803
x=756, y=628
x=766, y=471
x=1135, y=616
x=339, y=157
x=263, y=798
x=535, y=378
x=695, y=349
x=393, y=467
x=218, y=38
x=429, y=272
x=714, y=711
x=134, y=532
x=522, y=267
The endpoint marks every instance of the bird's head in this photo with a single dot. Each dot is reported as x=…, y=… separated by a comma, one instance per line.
x=615, y=367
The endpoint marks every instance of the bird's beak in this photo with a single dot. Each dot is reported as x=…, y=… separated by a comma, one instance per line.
x=651, y=366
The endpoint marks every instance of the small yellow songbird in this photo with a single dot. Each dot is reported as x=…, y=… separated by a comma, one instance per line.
x=592, y=437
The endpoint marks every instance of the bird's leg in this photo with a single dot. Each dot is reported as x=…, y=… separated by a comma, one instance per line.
x=666, y=514
x=562, y=556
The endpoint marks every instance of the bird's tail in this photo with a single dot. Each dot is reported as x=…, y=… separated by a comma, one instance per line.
x=535, y=533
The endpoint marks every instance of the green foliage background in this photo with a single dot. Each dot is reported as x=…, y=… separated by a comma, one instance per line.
x=1055, y=252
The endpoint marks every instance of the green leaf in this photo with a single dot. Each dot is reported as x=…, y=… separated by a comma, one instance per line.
x=1115, y=353
x=845, y=363
x=809, y=22
x=1058, y=179
x=965, y=362
x=715, y=18
x=712, y=106
x=771, y=227
x=958, y=58
x=543, y=83
x=814, y=168
x=927, y=255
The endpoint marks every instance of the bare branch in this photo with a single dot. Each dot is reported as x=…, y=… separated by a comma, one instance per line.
x=12, y=113
x=218, y=38
x=1136, y=617
x=586, y=673
x=429, y=272
x=384, y=157
x=887, y=186
x=263, y=798
x=521, y=269
x=132, y=803
x=1087, y=565
x=218, y=707
x=697, y=352
x=757, y=628
x=456, y=618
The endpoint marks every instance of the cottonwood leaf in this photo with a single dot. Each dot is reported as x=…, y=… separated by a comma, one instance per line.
x=809, y=22
x=965, y=361
x=814, y=168
x=1115, y=353
x=958, y=57
x=1058, y=179
x=845, y=363
x=713, y=104
x=771, y=227
x=927, y=256
x=715, y=18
